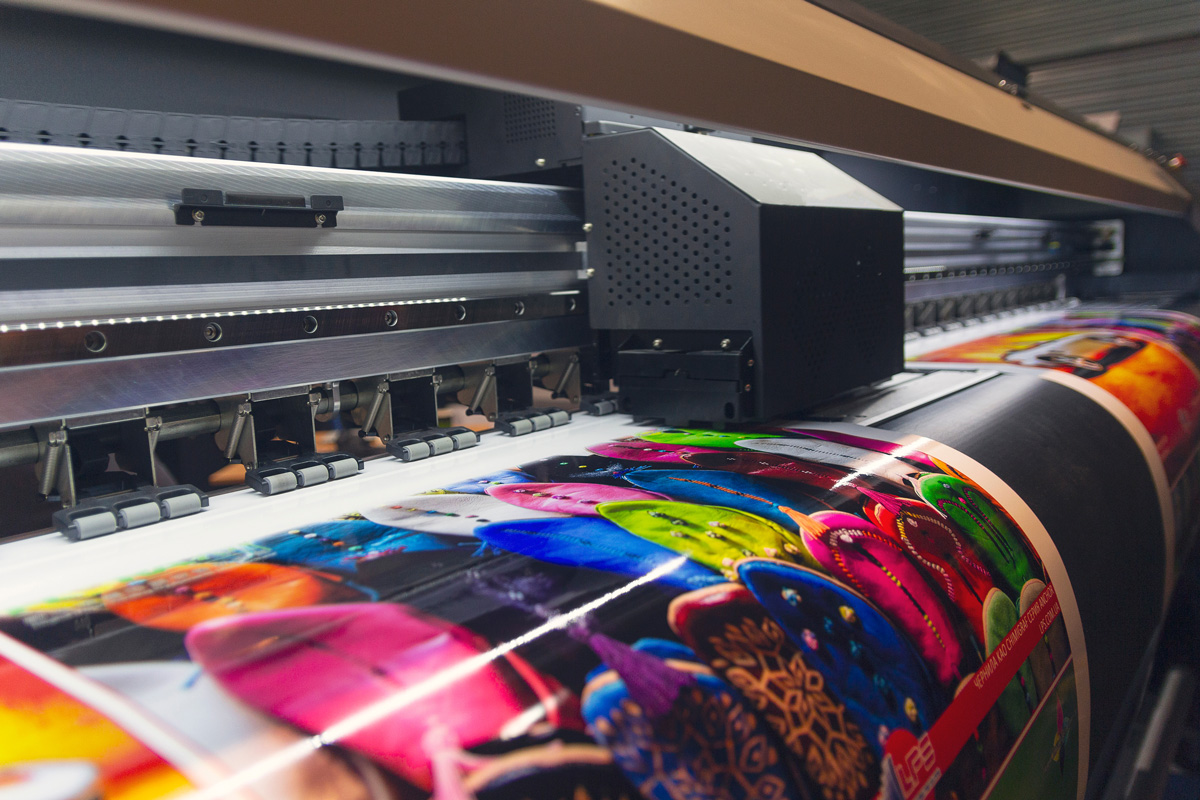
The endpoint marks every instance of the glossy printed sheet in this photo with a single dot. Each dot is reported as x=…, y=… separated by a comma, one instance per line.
x=1147, y=359
x=1143, y=361
x=783, y=613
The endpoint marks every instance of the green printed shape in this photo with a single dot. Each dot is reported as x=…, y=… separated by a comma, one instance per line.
x=698, y=437
x=1041, y=660
x=1018, y=699
x=989, y=529
x=714, y=536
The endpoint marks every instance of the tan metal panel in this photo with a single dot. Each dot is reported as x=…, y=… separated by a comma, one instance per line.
x=780, y=68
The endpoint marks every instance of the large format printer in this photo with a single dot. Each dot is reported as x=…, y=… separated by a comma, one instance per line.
x=855, y=318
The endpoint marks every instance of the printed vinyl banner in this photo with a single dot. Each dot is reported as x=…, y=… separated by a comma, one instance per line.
x=53, y=745
x=790, y=612
x=1147, y=359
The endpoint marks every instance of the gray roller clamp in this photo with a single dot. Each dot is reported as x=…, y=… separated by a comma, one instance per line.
x=89, y=526
x=137, y=514
x=104, y=515
x=307, y=470
x=272, y=480
x=521, y=423
x=177, y=501
x=343, y=467
x=599, y=406
x=418, y=445
x=180, y=505
x=311, y=474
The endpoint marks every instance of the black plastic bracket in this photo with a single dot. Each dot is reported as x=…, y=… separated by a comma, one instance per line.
x=214, y=207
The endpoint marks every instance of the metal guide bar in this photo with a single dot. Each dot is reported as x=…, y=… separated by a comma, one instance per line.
x=115, y=305
x=936, y=244
x=25, y=345
x=344, y=144
x=45, y=392
x=58, y=187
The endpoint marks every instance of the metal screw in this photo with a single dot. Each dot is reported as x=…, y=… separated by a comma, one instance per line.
x=198, y=215
x=750, y=362
x=587, y=227
x=320, y=219
x=725, y=344
x=541, y=162
x=747, y=387
x=212, y=332
x=391, y=318
x=591, y=272
x=518, y=308
x=310, y=324
x=656, y=344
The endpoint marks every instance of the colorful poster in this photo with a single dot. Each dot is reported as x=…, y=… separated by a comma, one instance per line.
x=1147, y=360
x=52, y=745
x=791, y=612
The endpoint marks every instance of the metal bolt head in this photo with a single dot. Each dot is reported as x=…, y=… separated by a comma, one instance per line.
x=212, y=332
x=588, y=227
x=541, y=162
x=725, y=344
x=656, y=344
x=320, y=219
x=198, y=215
x=591, y=272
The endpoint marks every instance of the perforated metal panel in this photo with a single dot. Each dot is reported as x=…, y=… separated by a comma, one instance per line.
x=689, y=252
x=663, y=242
x=528, y=119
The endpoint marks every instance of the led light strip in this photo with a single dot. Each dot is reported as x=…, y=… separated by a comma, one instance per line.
x=79, y=323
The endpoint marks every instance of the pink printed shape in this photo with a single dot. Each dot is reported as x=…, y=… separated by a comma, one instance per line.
x=322, y=668
x=853, y=550
x=576, y=499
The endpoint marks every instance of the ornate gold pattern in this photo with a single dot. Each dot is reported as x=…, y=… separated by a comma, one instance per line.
x=756, y=657
x=708, y=746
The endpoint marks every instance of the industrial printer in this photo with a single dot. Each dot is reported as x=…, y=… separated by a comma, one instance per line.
x=662, y=213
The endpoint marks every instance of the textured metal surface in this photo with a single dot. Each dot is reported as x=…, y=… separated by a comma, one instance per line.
x=831, y=82
x=136, y=302
x=40, y=393
x=1141, y=59
x=107, y=339
x=1032, y=31
x=344, y=144
x=1156, y=85
x=48, y=194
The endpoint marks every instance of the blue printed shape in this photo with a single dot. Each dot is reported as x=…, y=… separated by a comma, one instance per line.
x=866, y=662
x=594, y=543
